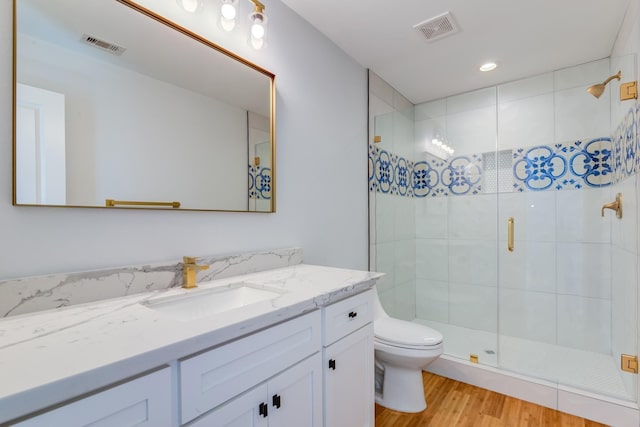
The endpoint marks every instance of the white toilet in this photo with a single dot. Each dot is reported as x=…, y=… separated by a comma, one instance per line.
x=402, y=350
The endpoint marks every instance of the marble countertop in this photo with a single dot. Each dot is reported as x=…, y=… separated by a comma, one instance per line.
x=54, y=355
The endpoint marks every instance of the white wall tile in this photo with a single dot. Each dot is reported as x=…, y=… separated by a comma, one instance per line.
x=404, y=218
x=526, y=122
x=627, y=65
x=529, y=315
x=624, y=296
x=425, y=131
x=473, y=307
x=405, y=262
x=378, y=107
x=432, y=300
x=531, y=266
x=473, y=262
x=432, y=221
x=388, y=301
x=471, y=100
x=473, y=217
x=584, y=269
x=385, y=217
x=624, y=231
x=406, y=301
x=472, y=131
x=380, y=88
x=579, y=215
x=579, y=115
x=525, y=88
x=403, y=105
x=403, y=136
x=432, y=259
x=582, y=75
x=584, y=323
x=386, y=263
x=430, y=110
x=534, y=215
x=383, y=127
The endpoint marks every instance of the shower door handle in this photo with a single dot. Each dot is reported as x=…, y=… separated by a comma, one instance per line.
x=510, y=226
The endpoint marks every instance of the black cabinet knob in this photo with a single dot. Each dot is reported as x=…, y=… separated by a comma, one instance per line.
x=332, y=364
x=353, y=314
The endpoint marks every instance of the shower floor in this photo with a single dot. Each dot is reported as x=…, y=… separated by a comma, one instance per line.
x=585, y=370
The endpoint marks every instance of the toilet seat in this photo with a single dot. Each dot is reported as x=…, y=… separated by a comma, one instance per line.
x=400, y=333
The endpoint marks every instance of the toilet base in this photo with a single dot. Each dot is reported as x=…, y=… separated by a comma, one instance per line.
x=402, y=390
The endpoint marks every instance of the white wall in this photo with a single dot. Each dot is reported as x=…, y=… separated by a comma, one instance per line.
x=321, y=170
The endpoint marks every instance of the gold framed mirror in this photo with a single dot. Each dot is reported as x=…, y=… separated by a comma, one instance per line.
x=118, y=107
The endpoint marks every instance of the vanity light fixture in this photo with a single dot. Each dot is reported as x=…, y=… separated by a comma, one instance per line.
x=489, y=66
x=257, y=18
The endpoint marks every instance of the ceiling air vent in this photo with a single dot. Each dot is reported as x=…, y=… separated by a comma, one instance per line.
x=437, y=27
x=103, y=45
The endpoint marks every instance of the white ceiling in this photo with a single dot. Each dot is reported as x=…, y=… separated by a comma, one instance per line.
x=524, y=37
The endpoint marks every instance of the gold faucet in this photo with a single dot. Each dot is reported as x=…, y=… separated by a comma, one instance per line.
x=189, y=270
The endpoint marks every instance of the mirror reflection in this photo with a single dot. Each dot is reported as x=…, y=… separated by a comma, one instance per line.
x=117, y=108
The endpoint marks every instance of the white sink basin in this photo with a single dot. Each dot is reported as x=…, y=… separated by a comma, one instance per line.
x=197, y=304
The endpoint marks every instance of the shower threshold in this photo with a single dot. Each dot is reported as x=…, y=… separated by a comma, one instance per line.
x=585, y=370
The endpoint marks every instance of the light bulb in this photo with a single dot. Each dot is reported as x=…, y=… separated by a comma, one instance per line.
x=257, y=30
x=228, y=11
x=189, y=5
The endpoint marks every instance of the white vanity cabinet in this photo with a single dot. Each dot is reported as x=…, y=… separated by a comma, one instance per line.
x=144, y=401
x=348, y=362
x=312, y=370
x=290, y=399
x=258, y=369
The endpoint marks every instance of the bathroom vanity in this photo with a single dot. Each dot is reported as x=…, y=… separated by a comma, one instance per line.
x=297, y=351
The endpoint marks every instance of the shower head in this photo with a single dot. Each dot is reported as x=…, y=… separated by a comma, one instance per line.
x=597, y=90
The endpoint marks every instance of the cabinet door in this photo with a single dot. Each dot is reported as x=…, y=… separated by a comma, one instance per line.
x=295, y=396
x=209, y=379
x=348, y=380
x=145, y=401
x=243, y=411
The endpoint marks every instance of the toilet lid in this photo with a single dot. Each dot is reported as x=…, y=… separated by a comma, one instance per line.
x=402, y=332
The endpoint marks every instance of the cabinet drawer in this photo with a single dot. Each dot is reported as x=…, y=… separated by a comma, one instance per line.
x=145, y=401
x=346, y=316
x=213, y=377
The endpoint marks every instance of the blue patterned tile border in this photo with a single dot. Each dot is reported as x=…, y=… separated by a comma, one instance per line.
x=389, y=173
x=563, y=166
x=625, y=146
x=259, y=182
x=456, y=176
x=592, y=163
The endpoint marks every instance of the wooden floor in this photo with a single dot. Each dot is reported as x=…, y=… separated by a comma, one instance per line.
x=452, y=403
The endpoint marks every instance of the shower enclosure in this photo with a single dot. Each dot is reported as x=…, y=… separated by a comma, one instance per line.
x=486, y=213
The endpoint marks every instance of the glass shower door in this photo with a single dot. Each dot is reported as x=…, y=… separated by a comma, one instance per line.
x=456, y=209
x=567, y=288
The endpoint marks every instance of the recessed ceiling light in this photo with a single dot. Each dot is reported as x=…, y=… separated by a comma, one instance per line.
x=489, y=66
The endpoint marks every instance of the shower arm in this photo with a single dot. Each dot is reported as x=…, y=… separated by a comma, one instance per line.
x=615, y=76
